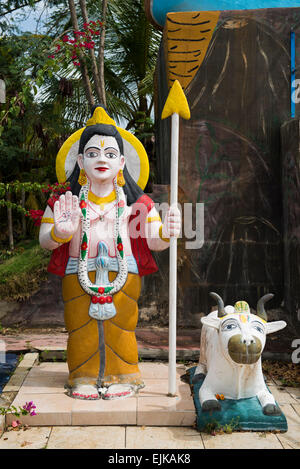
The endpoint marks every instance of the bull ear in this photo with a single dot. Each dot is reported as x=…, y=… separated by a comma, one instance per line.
x=275, y=326
x=211, y=322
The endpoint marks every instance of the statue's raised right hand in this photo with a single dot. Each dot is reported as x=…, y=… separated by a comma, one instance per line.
x=66, y=215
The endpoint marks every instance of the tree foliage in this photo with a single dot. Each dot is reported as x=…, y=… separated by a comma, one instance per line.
x=131, y=47
x=50, y=88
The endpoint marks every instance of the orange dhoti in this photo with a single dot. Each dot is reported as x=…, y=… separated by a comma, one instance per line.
x=102, y=352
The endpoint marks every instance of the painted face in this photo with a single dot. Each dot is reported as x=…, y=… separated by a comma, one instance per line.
x=243, y=337
x=101, y=159
x=241, y=334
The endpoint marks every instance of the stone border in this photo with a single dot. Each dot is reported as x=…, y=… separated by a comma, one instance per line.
x=57, y=353
x=15, y=382
x=53, y=353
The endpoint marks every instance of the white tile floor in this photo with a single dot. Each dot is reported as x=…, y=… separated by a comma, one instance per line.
x=150, y=421
x=44, y=385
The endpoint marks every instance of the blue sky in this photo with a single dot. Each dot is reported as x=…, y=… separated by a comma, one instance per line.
x=31, y=19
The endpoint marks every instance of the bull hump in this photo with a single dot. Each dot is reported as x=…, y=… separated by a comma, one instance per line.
x=187, y=36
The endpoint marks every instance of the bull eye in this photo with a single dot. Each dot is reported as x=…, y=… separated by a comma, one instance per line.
x=229, y=326
x=258, y=327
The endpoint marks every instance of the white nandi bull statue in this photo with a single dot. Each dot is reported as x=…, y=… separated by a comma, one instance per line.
x=232, y=341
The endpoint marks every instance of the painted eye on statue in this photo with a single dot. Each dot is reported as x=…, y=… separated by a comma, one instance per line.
x=258, y=327
x=111, y=156
x=92, y=154
x=229, y=326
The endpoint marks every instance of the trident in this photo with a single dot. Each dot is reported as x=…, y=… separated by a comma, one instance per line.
x=176, y=105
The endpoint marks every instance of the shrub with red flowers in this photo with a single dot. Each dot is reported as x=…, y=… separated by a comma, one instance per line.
x=36, y=216
x=84, y=40
x=55, y=190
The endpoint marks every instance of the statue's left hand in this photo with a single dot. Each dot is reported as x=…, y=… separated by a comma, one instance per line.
x=66, y=215
x=172, y=223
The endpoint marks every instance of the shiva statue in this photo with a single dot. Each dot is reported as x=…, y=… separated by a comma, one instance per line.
x=101, y=233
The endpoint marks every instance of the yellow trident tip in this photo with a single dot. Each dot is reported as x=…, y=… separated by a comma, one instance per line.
x=176, y=103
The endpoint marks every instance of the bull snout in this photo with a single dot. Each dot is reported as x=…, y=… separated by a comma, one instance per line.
x=244, y=350
x=247, y=341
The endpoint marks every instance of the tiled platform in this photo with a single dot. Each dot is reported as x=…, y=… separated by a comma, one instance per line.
x=44, y=384
x=150, y=421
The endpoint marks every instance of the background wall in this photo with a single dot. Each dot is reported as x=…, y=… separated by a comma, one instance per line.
x=234, y=67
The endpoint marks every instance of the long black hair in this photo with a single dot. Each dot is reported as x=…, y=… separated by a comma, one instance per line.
x=132, y=191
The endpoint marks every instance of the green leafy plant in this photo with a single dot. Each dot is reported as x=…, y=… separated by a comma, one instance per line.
x=27, y=409
x=215, y=428
x=211, y=427
x=22, y=274
x=7, y=253
x=17, y=186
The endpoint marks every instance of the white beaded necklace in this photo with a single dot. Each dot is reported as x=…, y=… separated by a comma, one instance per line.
x=89, y=287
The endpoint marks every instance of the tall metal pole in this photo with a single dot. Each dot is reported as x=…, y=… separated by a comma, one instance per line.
x=176, y=105
x=173, y=258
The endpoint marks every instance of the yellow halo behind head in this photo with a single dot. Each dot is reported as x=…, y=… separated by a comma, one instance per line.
x=135, y=154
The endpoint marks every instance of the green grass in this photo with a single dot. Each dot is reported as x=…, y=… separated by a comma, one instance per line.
x=22, y=274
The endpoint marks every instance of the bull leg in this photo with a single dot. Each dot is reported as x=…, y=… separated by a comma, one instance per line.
x=200, y=373
x=208, y=400
x=268, y=403
x=201, y=370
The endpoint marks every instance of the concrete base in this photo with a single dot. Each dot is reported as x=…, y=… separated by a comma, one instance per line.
x=44, y=385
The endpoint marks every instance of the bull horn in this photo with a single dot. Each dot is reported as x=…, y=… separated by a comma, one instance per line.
x=260, y=308
x=220, y=302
